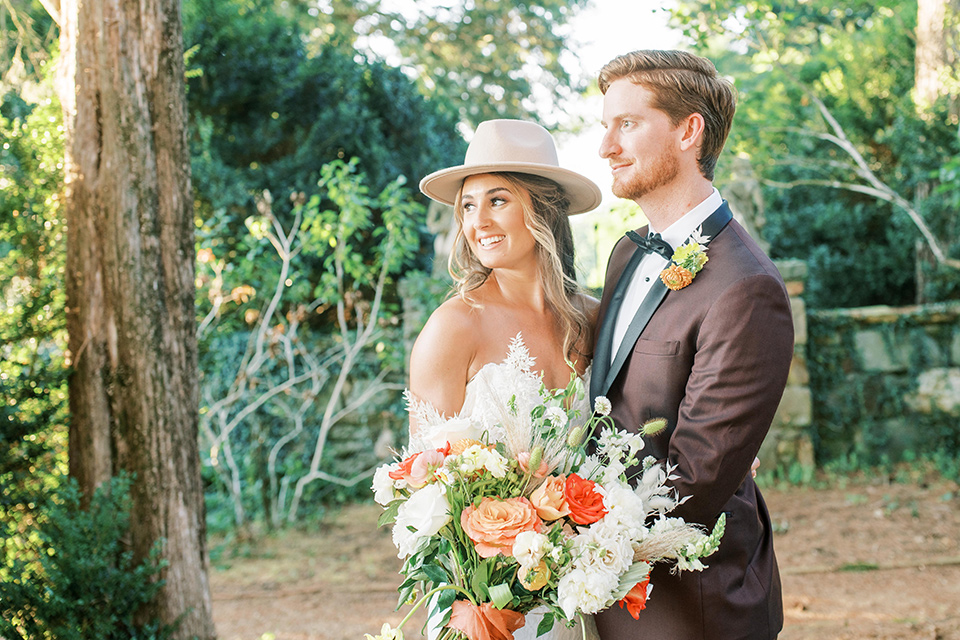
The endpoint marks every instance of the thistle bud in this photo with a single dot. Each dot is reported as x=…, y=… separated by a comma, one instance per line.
x=536, y=457
x=653, y=426
x=575, y=437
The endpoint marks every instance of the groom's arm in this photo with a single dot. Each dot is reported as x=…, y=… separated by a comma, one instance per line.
x=744, y=349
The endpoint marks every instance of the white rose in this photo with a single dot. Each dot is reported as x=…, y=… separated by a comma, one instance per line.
x=529, y=547
x=426, y=511
x=454, y=430
x=383, y=485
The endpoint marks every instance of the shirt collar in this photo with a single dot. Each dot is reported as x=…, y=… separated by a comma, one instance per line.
x=678, y=232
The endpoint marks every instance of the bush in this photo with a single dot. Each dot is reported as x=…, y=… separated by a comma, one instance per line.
x=79, y=581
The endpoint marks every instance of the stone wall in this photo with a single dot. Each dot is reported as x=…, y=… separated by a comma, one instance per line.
x=885, y=381
x=789, y=441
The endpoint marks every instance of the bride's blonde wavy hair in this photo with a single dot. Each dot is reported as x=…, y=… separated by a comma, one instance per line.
x=548, y=222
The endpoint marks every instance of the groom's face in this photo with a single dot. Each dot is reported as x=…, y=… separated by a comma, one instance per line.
x=641, y=144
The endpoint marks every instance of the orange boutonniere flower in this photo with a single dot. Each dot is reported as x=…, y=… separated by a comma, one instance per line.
x=676, y=277
x=687, y=261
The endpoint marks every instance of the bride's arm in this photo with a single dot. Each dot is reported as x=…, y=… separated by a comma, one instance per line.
x=441, y=357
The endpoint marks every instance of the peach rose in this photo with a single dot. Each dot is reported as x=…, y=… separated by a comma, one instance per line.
x=549, y=499
x=494, y=524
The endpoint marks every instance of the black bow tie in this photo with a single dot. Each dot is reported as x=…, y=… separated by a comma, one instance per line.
x=653, y=243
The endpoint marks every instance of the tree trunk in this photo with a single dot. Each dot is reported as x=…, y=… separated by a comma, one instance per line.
x=130, y=283
x=935, y=56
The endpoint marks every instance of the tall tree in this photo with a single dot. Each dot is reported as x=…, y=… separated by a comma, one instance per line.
x=130, y=283
x=937, y=56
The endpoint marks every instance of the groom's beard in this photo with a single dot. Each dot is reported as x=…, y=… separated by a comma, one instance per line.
x=661, y=170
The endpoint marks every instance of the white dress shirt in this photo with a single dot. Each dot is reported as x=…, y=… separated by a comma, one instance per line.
x=648, y=271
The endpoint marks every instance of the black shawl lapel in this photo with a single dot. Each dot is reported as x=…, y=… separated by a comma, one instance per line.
x=604, y=341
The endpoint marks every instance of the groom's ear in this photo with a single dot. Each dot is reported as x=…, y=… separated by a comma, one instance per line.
x=691, y=129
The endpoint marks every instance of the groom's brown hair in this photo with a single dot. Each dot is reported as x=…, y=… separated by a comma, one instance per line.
x=682, y=84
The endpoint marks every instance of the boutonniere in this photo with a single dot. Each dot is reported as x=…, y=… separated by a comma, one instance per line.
x=686, y=262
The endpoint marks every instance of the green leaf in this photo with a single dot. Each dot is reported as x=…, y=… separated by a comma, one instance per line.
x=500, y=595
x=389, y=513
x=435, y=574
x=546, y=624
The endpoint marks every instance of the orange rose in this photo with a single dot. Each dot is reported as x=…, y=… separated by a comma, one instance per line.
x=494, y=524
x=549, y=500
x=485, y=622
x=676, y=277
x=586, y=505
x=636, y=600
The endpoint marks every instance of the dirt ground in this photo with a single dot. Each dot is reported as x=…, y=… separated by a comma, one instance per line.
x=876, y=559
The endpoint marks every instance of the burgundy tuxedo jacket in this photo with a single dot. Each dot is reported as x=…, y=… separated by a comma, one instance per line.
x=713, y=359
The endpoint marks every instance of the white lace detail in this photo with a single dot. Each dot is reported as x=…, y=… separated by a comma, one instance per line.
x=496, y=386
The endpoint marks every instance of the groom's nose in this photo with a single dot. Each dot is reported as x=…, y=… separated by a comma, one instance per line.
x=609, y=146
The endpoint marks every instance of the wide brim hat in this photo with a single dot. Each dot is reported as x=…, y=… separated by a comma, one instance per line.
x=514, y=146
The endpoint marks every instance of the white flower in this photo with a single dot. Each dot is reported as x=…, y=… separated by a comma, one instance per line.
x=477, y=457
x=603, y=548
x=586, y=591
x=454, y=430
x=386, y=633
x=426, y=511
x=529, y=548
x=556, y=416
x=624, y=507
x=602, y=405
x=384, y=488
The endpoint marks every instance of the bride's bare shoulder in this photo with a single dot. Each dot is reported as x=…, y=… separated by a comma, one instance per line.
x=449, y=334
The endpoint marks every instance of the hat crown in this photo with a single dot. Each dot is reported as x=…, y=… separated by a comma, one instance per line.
x=513, y=141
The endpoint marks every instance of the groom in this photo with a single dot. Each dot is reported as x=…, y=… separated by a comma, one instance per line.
x=710, y=353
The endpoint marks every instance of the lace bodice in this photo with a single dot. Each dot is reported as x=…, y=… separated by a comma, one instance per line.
x=487, y=393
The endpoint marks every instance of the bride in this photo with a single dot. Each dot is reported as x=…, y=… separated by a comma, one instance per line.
x=512, y=264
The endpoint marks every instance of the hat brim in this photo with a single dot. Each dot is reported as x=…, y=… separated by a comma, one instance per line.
x=583, y=193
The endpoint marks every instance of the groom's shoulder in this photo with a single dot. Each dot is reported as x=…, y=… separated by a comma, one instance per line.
x=736, y=255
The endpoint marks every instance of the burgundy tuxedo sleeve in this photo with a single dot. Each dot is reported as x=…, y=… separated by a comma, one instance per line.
x=743, y=351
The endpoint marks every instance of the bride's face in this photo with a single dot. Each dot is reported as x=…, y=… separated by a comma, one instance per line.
x=493, y=222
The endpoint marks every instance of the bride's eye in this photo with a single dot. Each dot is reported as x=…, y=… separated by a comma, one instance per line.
x=497, y=201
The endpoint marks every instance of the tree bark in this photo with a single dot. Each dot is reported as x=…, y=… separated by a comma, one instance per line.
x=130, y=283
x=936, y=54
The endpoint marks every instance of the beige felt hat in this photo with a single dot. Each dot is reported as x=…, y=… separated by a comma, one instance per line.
x=516, y=146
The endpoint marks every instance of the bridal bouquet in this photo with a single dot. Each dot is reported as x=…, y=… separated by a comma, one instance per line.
x=510, y=513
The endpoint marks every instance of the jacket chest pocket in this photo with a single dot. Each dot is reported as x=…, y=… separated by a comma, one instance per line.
x=657, y=347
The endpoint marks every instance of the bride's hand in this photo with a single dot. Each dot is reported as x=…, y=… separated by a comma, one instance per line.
x=754, y=467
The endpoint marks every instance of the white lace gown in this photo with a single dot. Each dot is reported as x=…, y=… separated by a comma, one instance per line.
x=489, y=390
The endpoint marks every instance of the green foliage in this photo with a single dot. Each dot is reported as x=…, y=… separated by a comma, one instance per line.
x=858, y=59
x=480, y=60
x=274, y=393
x=33, y=406
x=268, y=113
x=28, y=34
x=80, y=581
